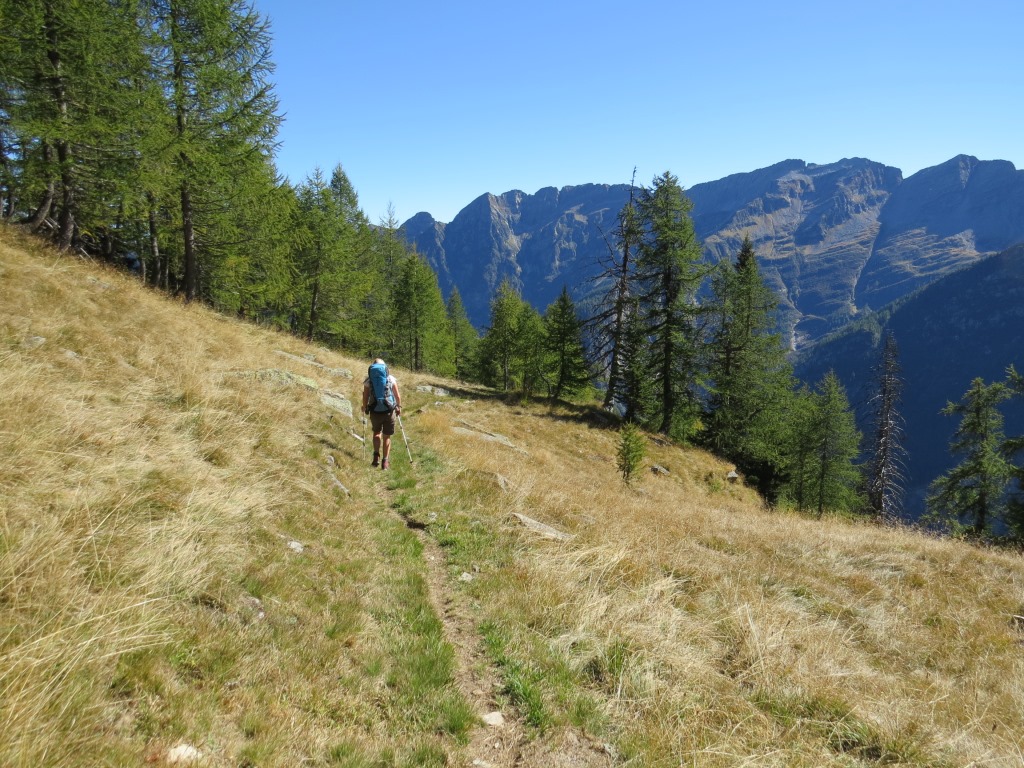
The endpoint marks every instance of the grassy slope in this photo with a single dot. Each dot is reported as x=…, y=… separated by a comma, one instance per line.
x=150, y=488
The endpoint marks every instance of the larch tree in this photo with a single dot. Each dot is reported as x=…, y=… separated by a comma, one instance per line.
x=750, y=380
x=424, y=339
x=499, y=345
x=71, y=115
x=213, y=64
x=465, y=336
x=975, y=490
x=670, y=271
x=821, y=451
x=320, y=255
x=563, y=339
x=532, y=366
x=1013, y=448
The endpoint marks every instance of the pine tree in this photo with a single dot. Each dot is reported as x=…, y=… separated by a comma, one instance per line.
x=974, y=491
x=321, y=257
x=466, y=338
x=563, y=339
x=670, y=271
x=885, y=477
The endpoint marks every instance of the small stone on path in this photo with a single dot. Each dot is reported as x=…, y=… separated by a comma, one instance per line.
x=294, y=546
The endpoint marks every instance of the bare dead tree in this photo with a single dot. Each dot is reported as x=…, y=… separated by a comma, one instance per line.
x=886, y=469
x=607, y=326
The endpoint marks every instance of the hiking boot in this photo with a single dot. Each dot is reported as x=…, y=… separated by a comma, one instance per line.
x=376, y=459
x=386, y=464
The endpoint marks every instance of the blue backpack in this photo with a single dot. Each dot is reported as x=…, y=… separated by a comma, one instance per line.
x=382, y=400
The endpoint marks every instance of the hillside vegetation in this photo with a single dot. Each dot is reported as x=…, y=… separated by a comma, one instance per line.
x=195, y=553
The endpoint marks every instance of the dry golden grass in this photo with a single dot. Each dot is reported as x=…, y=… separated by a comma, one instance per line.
x=716, y=632
x=150, y=487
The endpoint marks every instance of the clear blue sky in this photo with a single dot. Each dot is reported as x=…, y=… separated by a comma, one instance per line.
x=428, y=105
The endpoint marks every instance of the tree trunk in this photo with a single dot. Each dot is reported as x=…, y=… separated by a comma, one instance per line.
x=154, y=245
x=66, y=220
x=43, y=210
x=189, y=237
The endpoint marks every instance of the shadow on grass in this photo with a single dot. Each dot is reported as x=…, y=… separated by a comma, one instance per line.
x=589, y=414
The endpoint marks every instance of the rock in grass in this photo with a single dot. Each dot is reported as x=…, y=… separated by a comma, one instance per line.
x=544, y=530
x=494, y=719
x=184, y=754
x=336, y=402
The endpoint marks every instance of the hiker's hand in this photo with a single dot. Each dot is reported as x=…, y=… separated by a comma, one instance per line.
x=398, y=410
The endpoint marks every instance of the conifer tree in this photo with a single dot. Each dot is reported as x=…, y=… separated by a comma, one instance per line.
x=532, y=359
x=631, y=451
x=798, y=449
x=637, y=388
x=608, y=324
x=367, y=301
x=321, y=259
x=213, y=65
x=824, y=444
x=751, y=382
x=975, y=490
x=1013, y=448
x=885, y=477
x=71, y=109
x=465, y=336
x=424, y=339
x=837, y=445
x=670, y=271
x=563, y=339
x=499, y=345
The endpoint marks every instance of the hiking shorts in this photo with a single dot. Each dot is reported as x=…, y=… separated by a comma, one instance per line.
x=383, y=422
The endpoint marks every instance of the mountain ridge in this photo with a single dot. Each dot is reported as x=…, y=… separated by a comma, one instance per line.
x=832, y=239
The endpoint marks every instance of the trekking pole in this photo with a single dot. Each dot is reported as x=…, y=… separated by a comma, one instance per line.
x=406, y=439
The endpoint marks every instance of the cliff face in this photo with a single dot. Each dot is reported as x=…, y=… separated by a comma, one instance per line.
x=833, y=239
x=540, y=242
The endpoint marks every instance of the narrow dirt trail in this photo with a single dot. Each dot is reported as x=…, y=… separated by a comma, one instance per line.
x=507, y=743
x=491, y=745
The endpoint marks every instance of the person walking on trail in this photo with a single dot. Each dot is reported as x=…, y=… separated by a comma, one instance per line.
x=383, y=402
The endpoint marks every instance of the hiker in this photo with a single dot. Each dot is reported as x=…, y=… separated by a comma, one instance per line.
x=383, y=402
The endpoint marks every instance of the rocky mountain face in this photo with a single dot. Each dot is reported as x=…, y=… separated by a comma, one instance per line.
x=834, y=240
x=966, y=325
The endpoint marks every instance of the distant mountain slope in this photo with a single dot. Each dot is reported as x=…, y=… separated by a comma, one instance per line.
x=832, y=239
x=968, y=324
